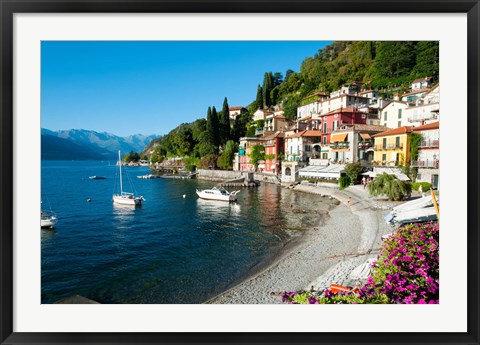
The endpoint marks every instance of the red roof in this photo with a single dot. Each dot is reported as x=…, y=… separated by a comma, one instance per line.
x=425, y=89
x=343, y=110
x=433, y=125
x=235, y=108
x=400, y=130
x=422, y=79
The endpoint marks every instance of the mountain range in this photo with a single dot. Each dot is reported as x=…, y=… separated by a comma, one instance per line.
x=81, y=144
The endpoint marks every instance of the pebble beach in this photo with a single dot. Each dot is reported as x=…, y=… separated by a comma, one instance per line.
x=324, y=255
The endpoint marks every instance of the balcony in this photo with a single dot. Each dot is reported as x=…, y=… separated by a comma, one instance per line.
x=365, y=144
x=388, y=147
x=426, y=164
x=259, y=131
x=429, y=143
x=422, y=117
x=340, y=145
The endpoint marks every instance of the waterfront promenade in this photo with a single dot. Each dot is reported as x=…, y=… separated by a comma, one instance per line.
x=326, y=254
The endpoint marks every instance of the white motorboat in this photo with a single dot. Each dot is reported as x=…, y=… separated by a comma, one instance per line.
x=148, y=176
x=125, y=198
x=47, y=219
x=218, y=193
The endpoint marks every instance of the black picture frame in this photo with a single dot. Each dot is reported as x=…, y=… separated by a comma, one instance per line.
x=9, y=7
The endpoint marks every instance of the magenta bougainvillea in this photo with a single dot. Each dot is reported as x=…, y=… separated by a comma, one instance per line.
x=406, y=271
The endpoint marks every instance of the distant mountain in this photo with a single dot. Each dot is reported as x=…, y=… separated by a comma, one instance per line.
x=55, y=148
x=104, y=145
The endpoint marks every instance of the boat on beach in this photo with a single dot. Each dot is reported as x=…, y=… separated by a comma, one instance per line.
x=218, y=193
x=126, y=198
x=47, y=219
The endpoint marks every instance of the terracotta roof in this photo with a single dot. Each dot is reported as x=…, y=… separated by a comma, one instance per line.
x=425, y=89
x=316, y=94
x=421, y=79
x=235, y=108
x=307, y=133
x=363, y=128
x=433, y=125
x=400, y=130
x=277, y=134
x=343, y=110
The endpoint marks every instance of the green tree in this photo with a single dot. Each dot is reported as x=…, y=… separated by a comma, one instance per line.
x=212, y=129
x=226, y=159
x=259, y=99
x=257, y=154
x=240, y=126
x=224, y=123
x=388, y=185
x=427, y=60
x=352, y=170
x=267, y=88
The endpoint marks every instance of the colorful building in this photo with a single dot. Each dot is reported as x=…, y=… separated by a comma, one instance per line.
x=353, y=143
x=301, y=146
x=428, y=160
x=392, y=147
x=244, y=150
x=393, y=115
x=274, y=152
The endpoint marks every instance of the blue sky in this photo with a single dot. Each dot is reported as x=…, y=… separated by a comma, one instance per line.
x=150, y=87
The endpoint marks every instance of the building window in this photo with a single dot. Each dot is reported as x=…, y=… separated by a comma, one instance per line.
x=384, y=159
x=324, y=127
x=399, y=113
x=397, y=142
x=308, y=148
x=384, y=143
x=324, y=155
x=399, y=124
x=325, y=140
x=385, y=116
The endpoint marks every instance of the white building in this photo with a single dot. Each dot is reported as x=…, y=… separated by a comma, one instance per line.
x=426, y=110
x=428, y=161
x=261, y=114
x=393, y=115
x=421, y=83
x=310, y=104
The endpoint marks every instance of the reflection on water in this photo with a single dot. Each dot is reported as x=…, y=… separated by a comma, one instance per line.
x=217, y=209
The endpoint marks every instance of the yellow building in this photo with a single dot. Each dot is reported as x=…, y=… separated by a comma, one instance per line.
x=392, y=147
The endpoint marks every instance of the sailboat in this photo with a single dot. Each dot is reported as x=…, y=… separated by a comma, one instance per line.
x=47, y=218
x=125, y=198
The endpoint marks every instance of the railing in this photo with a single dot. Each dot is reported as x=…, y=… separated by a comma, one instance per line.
x=429, y=143
x=388, y=147
x=425, y=164
x=259, y=131
x=340, y=145
x=365, y=144
x=421, y=117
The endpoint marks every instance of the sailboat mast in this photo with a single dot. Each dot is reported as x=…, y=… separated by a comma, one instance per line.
x=120, y=163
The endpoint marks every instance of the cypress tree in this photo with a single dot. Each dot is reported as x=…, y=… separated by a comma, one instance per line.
x=212, y=128
x=267, y=88
x=259, y=99
x=224, y=122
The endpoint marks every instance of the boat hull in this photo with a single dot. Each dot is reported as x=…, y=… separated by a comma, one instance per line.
x=127, y=200
x=228, y=198
x=48, y=223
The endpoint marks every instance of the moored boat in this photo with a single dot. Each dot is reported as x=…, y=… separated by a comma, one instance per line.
x=47, y=219
x=218, y=193
x=125, y=198
x=97, y=177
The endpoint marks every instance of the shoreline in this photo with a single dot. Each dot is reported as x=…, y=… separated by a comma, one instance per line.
x=324, y=255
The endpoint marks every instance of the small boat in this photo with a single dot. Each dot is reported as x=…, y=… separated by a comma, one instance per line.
x=97, y=177
x=148, y=176
x=125, y=198
x=218, y=193
x=47, y=219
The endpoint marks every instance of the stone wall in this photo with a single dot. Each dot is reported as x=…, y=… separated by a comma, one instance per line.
x=218, y=175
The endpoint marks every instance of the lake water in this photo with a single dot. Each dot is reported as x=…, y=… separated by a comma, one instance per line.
x=170, y=250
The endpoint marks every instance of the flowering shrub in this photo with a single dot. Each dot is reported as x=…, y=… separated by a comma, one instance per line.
x=406, y=272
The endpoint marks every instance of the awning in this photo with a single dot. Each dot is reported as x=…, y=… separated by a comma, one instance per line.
x=365, y=136
x=338, y=137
